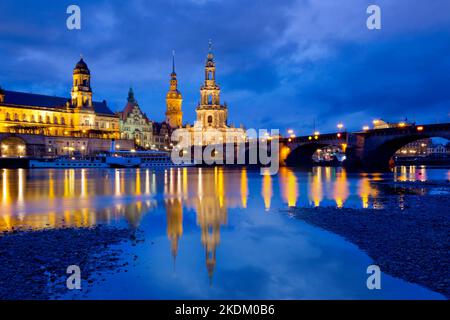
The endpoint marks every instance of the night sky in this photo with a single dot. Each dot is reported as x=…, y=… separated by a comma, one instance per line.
x=280, y=63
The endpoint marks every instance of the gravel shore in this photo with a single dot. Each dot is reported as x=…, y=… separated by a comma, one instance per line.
x=410, y=241
x=33, y=264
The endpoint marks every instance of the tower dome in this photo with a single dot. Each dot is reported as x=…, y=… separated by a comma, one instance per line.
x=81, y=67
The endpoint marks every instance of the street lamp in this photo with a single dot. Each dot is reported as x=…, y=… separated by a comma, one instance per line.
x=340, y=126
x=366, y=128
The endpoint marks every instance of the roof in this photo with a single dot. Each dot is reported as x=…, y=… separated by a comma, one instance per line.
x=81, y=67
x=158, y=126
x=44, y=101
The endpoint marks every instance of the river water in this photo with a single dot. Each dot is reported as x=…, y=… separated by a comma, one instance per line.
x=216, y=233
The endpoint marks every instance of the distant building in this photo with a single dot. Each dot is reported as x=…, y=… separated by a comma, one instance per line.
x=61, y=125
x=134, y=124
x=381, y=124
x=439, y=149
x=161, y=136
x=416, y=148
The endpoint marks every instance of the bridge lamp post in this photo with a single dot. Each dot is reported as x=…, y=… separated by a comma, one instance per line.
x=366, y=128
x=340, y=126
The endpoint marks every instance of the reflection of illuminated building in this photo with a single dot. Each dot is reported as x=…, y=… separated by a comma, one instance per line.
x=289, y=186
x=66, y=185
x=211, y=212
x=340, y=191
x=174, y=211
x=267, y=191
x=315, y=189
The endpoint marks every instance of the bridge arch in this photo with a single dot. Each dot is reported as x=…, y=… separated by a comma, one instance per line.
x=13, y=146
x=380, y=156
x=302, y=155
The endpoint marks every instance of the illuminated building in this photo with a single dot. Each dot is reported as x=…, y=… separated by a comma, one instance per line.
x=174, y=115
x=59, y=125
x=415, y=148
x=212, y=116
x=134, y=123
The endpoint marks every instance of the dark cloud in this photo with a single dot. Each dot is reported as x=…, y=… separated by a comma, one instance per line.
x=281, y=64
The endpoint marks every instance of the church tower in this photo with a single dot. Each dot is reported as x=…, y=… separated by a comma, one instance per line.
x=81, y=89
x=174, y=115
x=210, y=113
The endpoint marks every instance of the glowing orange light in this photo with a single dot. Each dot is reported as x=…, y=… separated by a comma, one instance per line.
x=420, y=128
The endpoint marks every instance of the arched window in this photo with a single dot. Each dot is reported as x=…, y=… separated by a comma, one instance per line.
x=55, y=120
x=210, y=99
x=210, y=119
x=63, y=121
x=7, y=116
x=47, y=119
x=16, y=117
x=24, y=117
x=40, y=119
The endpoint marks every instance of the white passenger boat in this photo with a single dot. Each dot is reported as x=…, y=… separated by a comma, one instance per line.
x=99, y=161
x=70, y=162
x=152, y=159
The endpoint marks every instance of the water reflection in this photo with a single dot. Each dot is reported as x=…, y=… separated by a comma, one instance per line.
x=410, y=173
x=81, y=198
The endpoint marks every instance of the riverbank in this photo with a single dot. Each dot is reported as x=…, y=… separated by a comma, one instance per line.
x=410, y=241
x=33, y=264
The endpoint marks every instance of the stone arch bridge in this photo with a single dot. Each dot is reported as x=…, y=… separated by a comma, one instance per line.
x=371, y=149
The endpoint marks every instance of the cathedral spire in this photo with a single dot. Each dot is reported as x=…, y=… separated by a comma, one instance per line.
x=174, y=115
x=131, y=98
x=210, y=56
x=173, y=62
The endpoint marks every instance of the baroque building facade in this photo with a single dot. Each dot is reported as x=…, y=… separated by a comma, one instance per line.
x=212, y=116
x=57, y=125
x=134, y=124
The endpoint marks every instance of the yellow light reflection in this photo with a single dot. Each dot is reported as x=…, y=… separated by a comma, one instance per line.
x=244, y=187
x=267, y=190
x=84, y=191
x=138, y=182
x=147, y=181
x=289, y=187
x=340, y=191
x=315, y=189
x=117, y=189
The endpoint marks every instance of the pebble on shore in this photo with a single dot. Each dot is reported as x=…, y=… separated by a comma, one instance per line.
x=33, y=264
x=411, y=242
